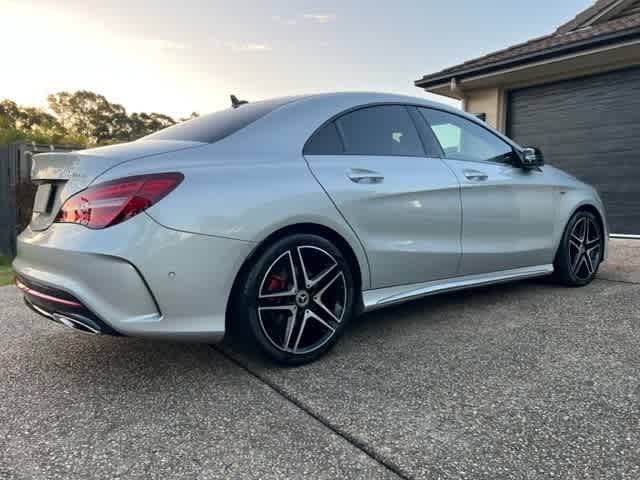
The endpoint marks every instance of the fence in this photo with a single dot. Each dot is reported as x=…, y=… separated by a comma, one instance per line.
x=16, y=189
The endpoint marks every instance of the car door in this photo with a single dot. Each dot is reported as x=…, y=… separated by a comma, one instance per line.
x=403, y=205
x=508, y=212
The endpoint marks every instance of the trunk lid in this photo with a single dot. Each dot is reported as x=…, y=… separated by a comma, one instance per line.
x=59, y=175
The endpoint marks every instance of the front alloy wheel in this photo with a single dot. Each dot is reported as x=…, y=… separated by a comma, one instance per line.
x=581, y=250
x=585, y=248
x=299, y=297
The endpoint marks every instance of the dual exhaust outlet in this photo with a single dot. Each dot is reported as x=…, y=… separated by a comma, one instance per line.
x=69, y=322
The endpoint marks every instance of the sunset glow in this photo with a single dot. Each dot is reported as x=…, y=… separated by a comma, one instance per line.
x=177, y=58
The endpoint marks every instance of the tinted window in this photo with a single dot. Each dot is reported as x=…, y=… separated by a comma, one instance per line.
x=325, y=141
x=462, y=139
x=430, y=142
x=383, y=130
x=215, y=126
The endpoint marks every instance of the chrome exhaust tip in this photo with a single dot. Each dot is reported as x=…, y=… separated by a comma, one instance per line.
x=73, y=323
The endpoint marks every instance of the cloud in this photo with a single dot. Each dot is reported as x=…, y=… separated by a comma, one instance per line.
x=320, y=17
x=284, y=20
x=165, y=44
x=250, y=47
x=310, y=17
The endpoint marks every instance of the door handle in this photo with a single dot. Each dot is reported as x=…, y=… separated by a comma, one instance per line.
x=364, y=176
x=475, y=175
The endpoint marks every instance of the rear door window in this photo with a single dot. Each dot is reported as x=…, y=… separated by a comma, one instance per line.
x=325, y=141
x=381, y=130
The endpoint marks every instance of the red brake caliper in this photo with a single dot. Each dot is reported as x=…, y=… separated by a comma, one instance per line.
x=276, y=282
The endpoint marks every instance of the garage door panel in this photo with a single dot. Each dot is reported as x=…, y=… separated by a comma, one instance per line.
x=590, y=128
x=615, y=128
x=623, y=209
x=559, y=106
x=609, y=164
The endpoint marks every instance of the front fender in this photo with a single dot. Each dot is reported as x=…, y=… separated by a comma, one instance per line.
x=573, y=200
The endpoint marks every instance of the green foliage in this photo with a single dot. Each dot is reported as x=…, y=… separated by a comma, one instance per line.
x=89, y=114
x=6, y=274
x=141, y=124
x=93, y=116
x=34, y=125
x=80, y=118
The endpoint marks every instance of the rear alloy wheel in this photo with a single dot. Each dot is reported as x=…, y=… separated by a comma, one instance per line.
x=299, y=297
x=581, y=250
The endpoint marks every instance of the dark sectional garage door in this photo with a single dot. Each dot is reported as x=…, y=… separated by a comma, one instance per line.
x=589, y=127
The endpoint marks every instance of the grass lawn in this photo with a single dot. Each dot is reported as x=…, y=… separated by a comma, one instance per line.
x=6, y=274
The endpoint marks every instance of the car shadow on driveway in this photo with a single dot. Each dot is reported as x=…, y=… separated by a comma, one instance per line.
x=524, y=378
x=77, y=406
x=509, y=380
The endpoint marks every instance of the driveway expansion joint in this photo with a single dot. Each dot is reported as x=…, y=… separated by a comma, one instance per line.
x=610, y=280
x=369, y=452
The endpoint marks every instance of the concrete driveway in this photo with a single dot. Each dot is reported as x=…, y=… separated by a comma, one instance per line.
x=527, y=380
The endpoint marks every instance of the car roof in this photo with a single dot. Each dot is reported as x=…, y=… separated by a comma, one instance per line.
x=355, y=99
x=364, y=97
x=288, y=127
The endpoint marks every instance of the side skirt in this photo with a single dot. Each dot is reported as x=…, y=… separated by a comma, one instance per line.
x=384, y=297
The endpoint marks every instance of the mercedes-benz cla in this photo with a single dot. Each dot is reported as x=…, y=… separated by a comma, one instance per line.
x=286, y=218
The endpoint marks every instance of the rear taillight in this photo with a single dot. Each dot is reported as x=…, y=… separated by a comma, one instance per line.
x=109, y=203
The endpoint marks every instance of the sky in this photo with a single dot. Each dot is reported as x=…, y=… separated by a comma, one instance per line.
x=176, y=57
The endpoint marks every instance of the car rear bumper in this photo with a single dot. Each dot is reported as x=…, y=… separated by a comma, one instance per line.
x=61, y=307
x=137, y=278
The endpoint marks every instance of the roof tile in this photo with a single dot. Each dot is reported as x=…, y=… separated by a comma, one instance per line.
x=586, y=15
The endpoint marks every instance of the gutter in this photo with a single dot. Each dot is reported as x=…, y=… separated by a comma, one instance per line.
x=612, y=38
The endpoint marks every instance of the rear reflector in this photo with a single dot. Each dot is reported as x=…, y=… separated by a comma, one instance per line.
x=44, y=296
x=113, y=202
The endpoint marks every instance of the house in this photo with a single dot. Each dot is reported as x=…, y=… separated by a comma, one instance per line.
x=574, y=93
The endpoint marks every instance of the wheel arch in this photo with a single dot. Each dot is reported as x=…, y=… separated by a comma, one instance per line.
x=587, y=207
x=597, y=212
x=330, y=234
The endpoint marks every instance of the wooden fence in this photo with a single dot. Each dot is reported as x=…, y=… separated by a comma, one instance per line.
x=16, y=190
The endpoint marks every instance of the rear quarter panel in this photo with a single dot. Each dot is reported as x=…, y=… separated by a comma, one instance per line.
x=243, y=196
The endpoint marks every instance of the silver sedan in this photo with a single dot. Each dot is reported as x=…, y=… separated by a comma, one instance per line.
x=284, y=219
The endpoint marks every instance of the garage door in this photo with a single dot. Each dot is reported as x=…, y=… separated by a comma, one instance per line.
x=589, y=127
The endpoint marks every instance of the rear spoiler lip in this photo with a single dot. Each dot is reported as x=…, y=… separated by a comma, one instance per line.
x=50, y=172
x=79, y=163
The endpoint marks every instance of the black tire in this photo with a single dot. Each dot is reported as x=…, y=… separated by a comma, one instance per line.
x=264, y=297
x=580, y=252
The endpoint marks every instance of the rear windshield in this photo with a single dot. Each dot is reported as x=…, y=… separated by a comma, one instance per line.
x=215, y=126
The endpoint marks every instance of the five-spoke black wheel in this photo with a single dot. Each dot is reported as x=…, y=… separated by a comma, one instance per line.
x=580, y=251
x=298, y=298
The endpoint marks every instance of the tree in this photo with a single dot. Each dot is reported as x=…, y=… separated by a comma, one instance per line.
x=27, y=118
x=81, y=117
x=91, y=115
x=32, y=124
x=142, y=124
x=9, y=111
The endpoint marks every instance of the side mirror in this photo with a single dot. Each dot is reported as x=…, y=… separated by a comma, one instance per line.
x=531, y=157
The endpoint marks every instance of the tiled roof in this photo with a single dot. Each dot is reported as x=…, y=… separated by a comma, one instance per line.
x=548, y=43
x=586, y=15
